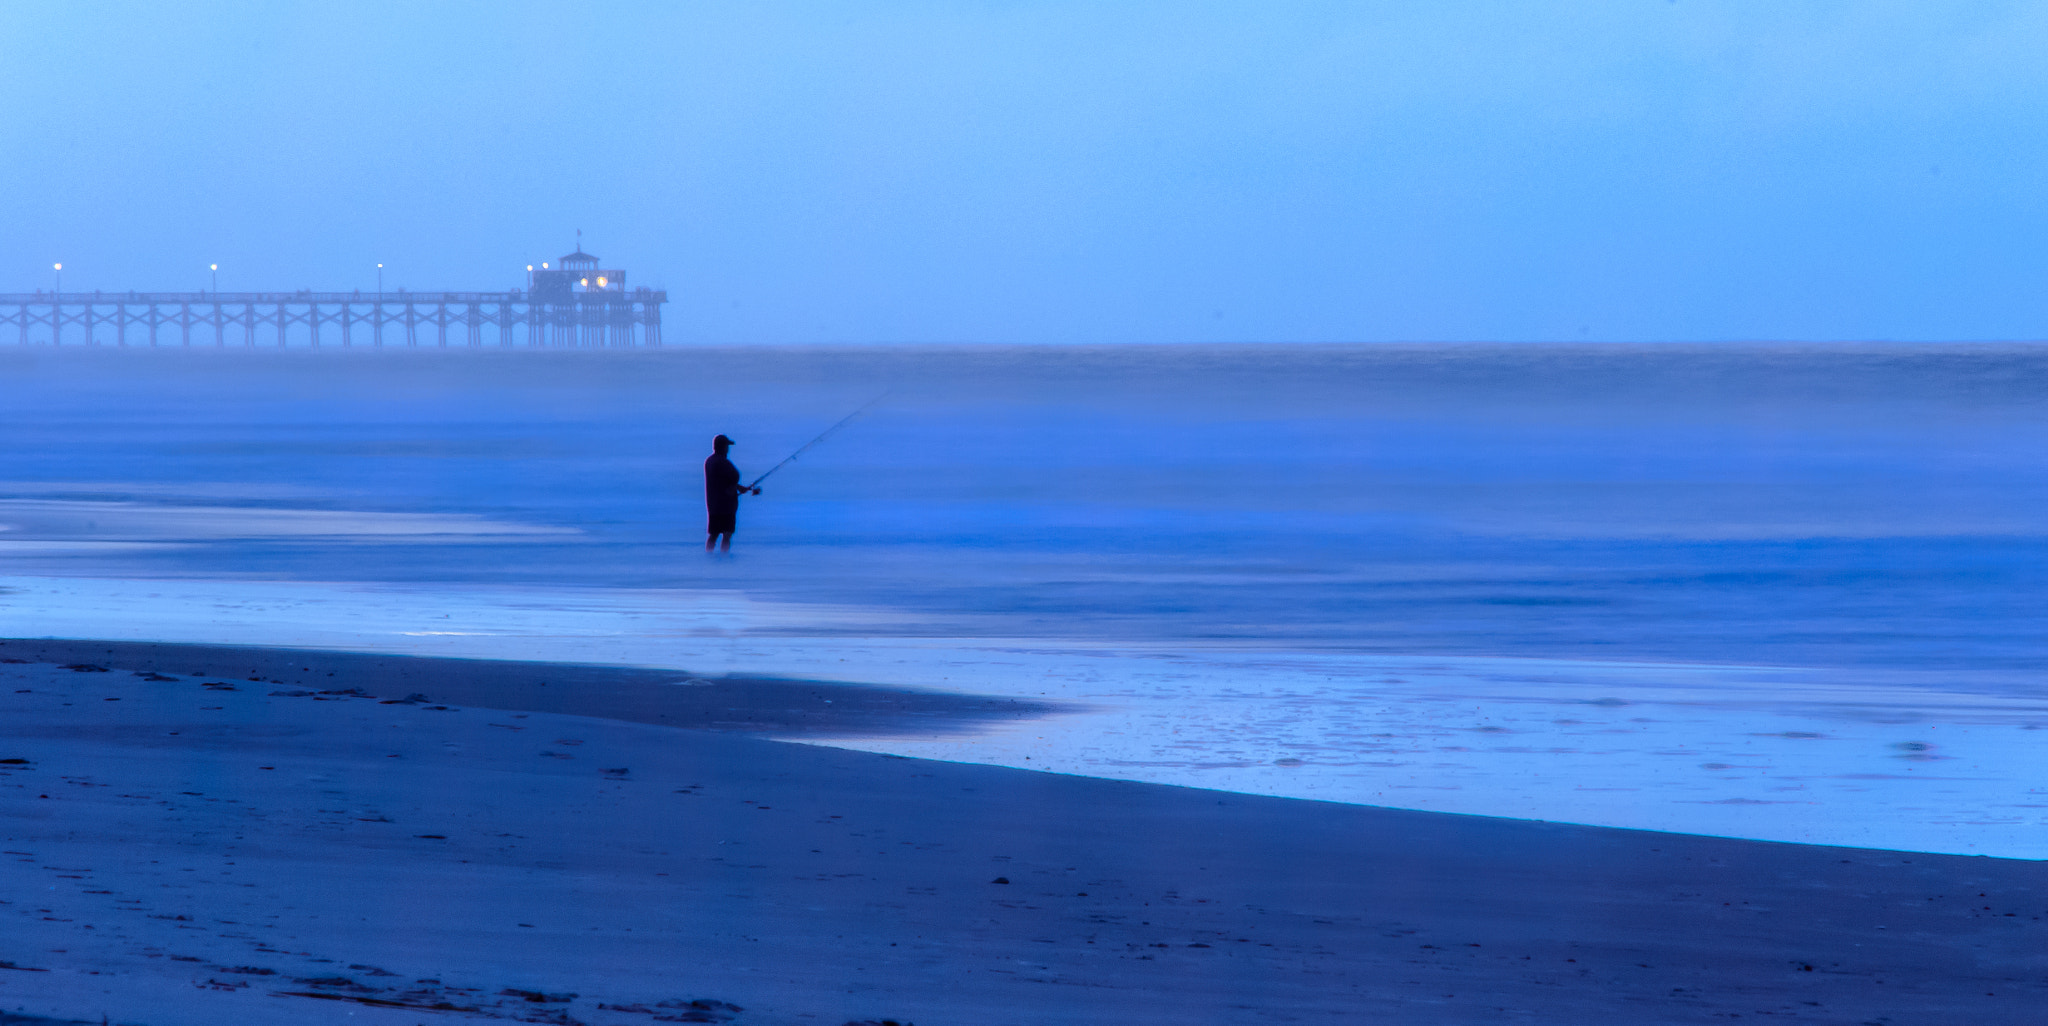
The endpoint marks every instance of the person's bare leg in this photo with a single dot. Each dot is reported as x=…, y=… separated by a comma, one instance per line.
x=709, y=541
x=725, y=542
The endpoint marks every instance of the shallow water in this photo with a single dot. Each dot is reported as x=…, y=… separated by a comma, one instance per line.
x=1808, y=574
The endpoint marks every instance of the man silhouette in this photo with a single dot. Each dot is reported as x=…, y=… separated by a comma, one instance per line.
x=722, y=491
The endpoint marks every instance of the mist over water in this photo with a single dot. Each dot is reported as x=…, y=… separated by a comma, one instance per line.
x=1870, y=519
x=1818, y=505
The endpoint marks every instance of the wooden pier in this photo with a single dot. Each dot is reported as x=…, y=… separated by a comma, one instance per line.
x=575, y=305
x=332, y=318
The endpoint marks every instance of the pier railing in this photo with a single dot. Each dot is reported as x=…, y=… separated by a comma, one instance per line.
x=584, y=320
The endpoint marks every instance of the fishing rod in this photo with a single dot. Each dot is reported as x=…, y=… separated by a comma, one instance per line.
x=827, y=433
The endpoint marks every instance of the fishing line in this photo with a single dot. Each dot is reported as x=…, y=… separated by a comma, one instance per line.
x=827, y=433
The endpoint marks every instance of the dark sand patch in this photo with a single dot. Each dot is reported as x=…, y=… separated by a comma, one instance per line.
x=812, y=884
x=743, y=704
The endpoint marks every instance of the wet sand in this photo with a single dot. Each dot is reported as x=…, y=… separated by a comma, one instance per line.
x=670, y=698
x=215, y=849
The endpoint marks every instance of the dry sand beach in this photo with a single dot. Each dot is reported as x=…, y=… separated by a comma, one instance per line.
x=219, y=835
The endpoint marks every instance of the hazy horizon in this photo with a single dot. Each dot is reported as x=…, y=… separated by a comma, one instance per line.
x=1063, y=172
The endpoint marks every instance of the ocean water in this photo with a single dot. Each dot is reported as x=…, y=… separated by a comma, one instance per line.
x=1775, y=591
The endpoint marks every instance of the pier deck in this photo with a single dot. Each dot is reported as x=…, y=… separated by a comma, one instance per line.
x=579, y=320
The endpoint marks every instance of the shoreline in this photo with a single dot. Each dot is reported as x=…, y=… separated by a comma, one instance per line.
x=193, y=832
x=780, y=706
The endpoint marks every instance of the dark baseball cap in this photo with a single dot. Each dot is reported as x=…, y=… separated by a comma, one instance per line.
x=722, y=440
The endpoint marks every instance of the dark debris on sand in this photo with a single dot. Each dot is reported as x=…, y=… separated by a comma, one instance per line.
x=537, y=996
x=516, y=1003
x=694, y=1010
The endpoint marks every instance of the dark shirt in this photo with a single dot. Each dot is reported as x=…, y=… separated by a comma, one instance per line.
x=721, y=484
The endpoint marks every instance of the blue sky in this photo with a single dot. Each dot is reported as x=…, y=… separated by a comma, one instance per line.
x=1634, y=169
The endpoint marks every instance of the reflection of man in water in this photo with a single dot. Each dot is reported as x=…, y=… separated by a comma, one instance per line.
x=722, y=491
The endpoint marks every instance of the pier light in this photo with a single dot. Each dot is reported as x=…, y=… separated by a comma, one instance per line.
x=543, y=265
x=585, y=282
x=56, y=267
x=600, y=281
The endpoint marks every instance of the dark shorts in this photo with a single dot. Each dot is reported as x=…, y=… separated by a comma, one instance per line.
x=721, y=521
